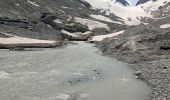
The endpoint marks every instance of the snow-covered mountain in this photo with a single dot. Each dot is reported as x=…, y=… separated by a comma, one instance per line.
x=157, y=8
x=108, y=2
x=129, y=15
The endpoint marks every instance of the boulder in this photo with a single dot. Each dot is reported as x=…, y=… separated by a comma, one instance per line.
x=133, y=45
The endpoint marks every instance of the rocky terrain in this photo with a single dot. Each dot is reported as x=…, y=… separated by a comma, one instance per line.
x=144, y=42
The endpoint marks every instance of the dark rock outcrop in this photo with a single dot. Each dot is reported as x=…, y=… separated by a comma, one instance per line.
x=123, y=2
x=142, y=1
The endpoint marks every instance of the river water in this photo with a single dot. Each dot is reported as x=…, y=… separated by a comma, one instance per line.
x=76, y=72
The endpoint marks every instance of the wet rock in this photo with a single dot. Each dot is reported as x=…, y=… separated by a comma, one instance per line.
x=16, y=49
x=137, y=73
x=76, y=79
x=78, y=96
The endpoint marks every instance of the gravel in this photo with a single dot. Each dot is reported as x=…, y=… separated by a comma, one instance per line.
x=152, y=62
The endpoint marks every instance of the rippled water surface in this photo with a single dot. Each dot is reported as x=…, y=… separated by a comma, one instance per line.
x=76, y=72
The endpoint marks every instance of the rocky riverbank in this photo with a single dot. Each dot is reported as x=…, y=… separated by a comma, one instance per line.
x=147, y=49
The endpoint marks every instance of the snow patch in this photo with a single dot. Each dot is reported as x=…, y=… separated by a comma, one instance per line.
x=58, y=21
x=102, y=37
x=33, y=3
x=66, y=7
x=18, y=40
x=165, y=26
x=91, y=24
x=17, y=4
x=103, y=18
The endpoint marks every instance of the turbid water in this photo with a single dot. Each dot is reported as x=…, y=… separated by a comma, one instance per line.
x=76, y=72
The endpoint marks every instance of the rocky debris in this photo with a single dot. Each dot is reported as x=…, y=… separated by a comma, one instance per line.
x=100, y=31
x=146, y=49
x=163, y=11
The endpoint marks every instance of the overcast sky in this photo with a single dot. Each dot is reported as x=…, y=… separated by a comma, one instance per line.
x=133, y=1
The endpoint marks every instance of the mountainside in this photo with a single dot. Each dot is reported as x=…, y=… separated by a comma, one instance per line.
x=46, y=19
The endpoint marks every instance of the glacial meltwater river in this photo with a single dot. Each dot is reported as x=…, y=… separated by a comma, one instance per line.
x=76, y=72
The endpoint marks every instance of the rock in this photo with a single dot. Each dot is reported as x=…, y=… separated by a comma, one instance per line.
x=78, y=96
x=133, y=45
x=138, y=73
x=100, y=31
x=165, y=46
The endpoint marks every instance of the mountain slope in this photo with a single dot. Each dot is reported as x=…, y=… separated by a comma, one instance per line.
x=46, y=19
x=130, y=15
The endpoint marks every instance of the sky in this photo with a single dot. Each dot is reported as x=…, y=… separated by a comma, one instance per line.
x=133, y=1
